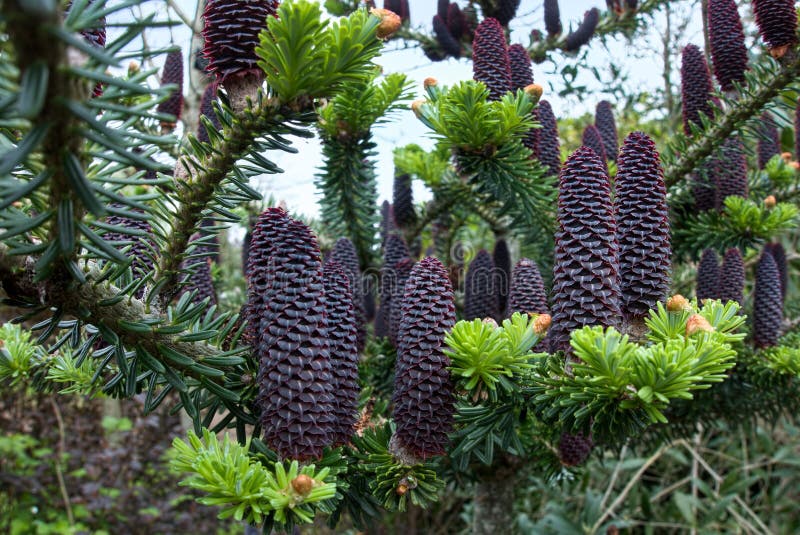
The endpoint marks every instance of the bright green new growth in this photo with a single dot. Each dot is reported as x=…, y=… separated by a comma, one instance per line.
x=243, y=487
x=18, y=355
x=303, y=55
x=624, y=385
x=484, y=356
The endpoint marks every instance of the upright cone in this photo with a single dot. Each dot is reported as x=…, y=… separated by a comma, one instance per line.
x=490, y=61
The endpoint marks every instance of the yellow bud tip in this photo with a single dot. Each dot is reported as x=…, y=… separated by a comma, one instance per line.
x=677, y=302
x=430, y=81
x=133, y=67
x=787, y=156
x=534, y=92
x=401, y=489
x=698, y=323
x=490, y=322
x=770, y=201
x=416, y=107
x=390, y=22
x=302, y=484
x=542, y=323
x=779, y=51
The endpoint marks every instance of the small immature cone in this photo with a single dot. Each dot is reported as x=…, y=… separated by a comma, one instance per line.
x=728, y=49
x=732, y=165
x=402, y=273
x=502, y=264
x=207, y=110
x=696, y=87
x=769, y=142
x=552, y=18
x=705, y=185
x=708, y=276
x=344, y=253
x=423, y=390
x=642, y=226
x=527, y=294
x=697, y=323
x=607, y=126
x=480, y=288
x=549, y=151
x=173, y=74
x=779, y=254
x=490, y=61
x=573, y=450
x=295, y=380
x=584, y=32
x=230, y=32
x=389, y=24
x=403, y=201
x=767, y=303
x=341, y=320
x=388, y=224
x=731, y=283
x=593, y=140
x=586, y=267
x=446, y=40
x=777, y=24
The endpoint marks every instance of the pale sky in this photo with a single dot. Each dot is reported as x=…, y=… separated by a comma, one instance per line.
x=296, y=185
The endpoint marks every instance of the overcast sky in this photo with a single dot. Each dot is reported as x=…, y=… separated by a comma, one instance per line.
x=296, y=185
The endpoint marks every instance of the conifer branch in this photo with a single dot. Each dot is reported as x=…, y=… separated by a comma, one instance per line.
x=767, y=85
x=96, y=302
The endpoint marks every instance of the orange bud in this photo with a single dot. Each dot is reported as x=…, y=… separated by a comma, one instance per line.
x=401, y=489
x=415, y=107
x=542, y=323
x=677, y=302
x=390, y=22
x=430, y=81
x=787, y=156
x=698, y=323
x=770, y=201
x=534, y=92
x=302, y=484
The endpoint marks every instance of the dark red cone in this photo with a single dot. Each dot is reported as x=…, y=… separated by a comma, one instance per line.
x=695, y=87
x=593, y=140
x=344, y=253
x=769, y=141
x=395, y=249
x=230, y=31
x=607, y=126
x=731, y=283
x=552, y=18
x=402, y=272
x=456, y=23
x=767, y=303
x=642, y=226
x=199, y=278
x=726, y=35
x=173, y=74
x=585, y=272
x=777, y=22
x=480, y=288
x=521, y=77
x=506, y=10
x=490, y=62
x=779, y=254
x=584, y=32
x=549, y=151
x=207, y=110
x=705, y=185
x=526, y=294
x=405, y=214
x=732, y=170
x=341, y=320
x=502, y=265
x=708, y=276
x=423, y=391
x=446, y=40
x=574, y=450
x=295, y=396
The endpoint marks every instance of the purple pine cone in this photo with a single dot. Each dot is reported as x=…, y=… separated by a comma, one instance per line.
x=731, y=283
x=480, y=288
x=173, y=74
x=767, y=303
x=593, y=140
x=490, y=61
x=695, y=87
x=344, y=253
x=607, y=126
x=526, y=294
x=584, y=32
x=777, y=22
x=549, y=150
x=769, y=141
x=728, y=50
x=708, y=276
